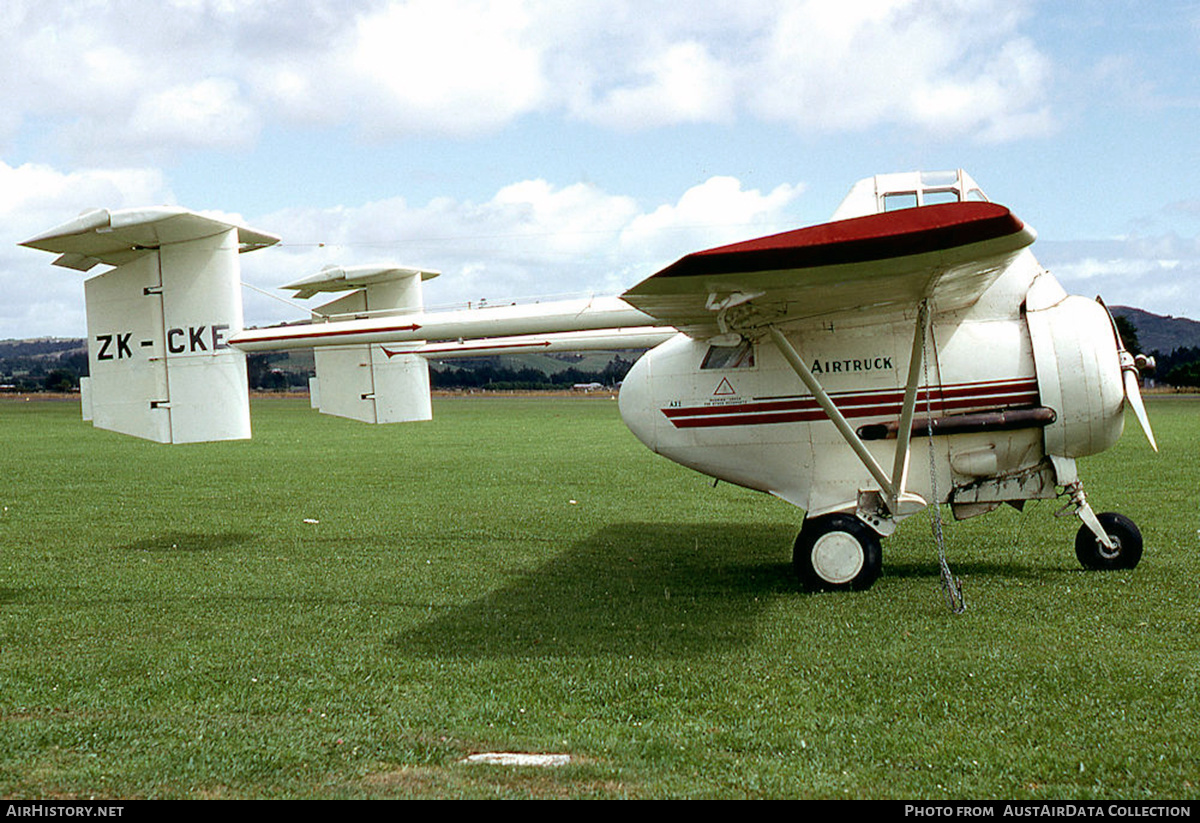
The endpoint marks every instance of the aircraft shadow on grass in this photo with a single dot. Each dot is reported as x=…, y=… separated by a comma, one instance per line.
x=634, y=588
x=630, y=588
x=646, y=589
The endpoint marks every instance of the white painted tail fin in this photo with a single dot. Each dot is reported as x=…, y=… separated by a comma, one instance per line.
x=368, y=382
x=159, y=323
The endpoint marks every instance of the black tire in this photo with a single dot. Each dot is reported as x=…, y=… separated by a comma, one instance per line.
x=1122, y=531
x=837, y=552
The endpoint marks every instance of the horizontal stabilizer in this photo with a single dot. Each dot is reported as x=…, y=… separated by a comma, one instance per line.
x=117, y=237
x=347, y=278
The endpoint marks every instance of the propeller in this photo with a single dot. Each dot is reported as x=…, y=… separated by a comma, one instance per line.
x=1130, y=368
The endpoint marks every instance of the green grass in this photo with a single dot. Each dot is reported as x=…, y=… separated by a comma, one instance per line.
x=520, y=574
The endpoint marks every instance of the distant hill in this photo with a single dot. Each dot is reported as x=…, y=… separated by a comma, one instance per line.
x=1159, y=333
x=42, y=347
x=45, y=363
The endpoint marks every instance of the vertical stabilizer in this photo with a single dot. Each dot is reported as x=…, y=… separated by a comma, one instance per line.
x=368, y=382
x=159, y=322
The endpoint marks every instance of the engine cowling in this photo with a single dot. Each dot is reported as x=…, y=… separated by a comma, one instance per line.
x=1078, y=369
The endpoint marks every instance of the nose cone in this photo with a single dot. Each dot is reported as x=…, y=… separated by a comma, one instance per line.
x=636, y=402
x=1079, y=375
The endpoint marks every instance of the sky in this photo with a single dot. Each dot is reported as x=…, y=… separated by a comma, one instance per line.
x=536, y=148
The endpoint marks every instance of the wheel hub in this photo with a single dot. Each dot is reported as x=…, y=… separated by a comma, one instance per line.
x=1106, y=552
x=837, y=557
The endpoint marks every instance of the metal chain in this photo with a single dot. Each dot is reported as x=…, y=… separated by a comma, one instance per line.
x=1022, y=519
x=951, y=585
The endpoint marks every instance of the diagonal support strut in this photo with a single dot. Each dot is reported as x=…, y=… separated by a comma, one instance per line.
x=826, y=403
x=904, y=434
x=898, y=502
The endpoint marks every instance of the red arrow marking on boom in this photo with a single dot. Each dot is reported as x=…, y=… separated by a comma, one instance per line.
x=336, y=333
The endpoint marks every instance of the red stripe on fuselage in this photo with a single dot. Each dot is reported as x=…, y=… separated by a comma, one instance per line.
x=880, y=403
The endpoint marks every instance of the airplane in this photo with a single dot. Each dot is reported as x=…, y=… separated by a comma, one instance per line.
x=818, y=365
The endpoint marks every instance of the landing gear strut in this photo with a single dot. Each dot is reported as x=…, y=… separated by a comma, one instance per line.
x=1126, y=550
x=1105, y=541
x=837, y=552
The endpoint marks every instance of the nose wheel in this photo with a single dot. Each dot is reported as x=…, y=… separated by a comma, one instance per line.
x=837, y=552
x=1122, y=533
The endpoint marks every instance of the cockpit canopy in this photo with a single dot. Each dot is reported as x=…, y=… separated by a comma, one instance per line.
x=908, y=190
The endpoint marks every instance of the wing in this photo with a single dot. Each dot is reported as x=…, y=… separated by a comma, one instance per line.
x=948, y=253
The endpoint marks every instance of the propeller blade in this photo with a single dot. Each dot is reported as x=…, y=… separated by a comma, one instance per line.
x=1129, y=374
x=1133, y=395
x=1116, y=331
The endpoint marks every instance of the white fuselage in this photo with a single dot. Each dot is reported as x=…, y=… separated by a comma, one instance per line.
x=747, y=418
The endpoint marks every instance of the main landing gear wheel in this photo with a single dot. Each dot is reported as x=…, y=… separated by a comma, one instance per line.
x=837, y=552
x=1127, y=544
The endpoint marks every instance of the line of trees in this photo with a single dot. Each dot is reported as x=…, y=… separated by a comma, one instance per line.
x=274, y=372
x=1180, y=368
x=42, y=365
x=270, y=372
x=491, y=373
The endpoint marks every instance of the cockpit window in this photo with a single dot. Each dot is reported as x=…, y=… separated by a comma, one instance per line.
x=932, y=198
x=900, y=200
x=906, y=190
x=893, y=201
x=740, y=356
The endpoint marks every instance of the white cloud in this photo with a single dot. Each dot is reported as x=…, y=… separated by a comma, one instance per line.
x=40, y=300
x=713, y=213
x=451, y=68
x=34, y=196
x=576, y=220
x=682, y=84
x=531, y=239
x=208, y=112
x=1091, y=269
x=119, y=82
x=947, y=69
x=140, y=77
x=1159, y=274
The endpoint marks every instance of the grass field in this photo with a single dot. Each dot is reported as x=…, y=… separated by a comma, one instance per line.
x=521, y=575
